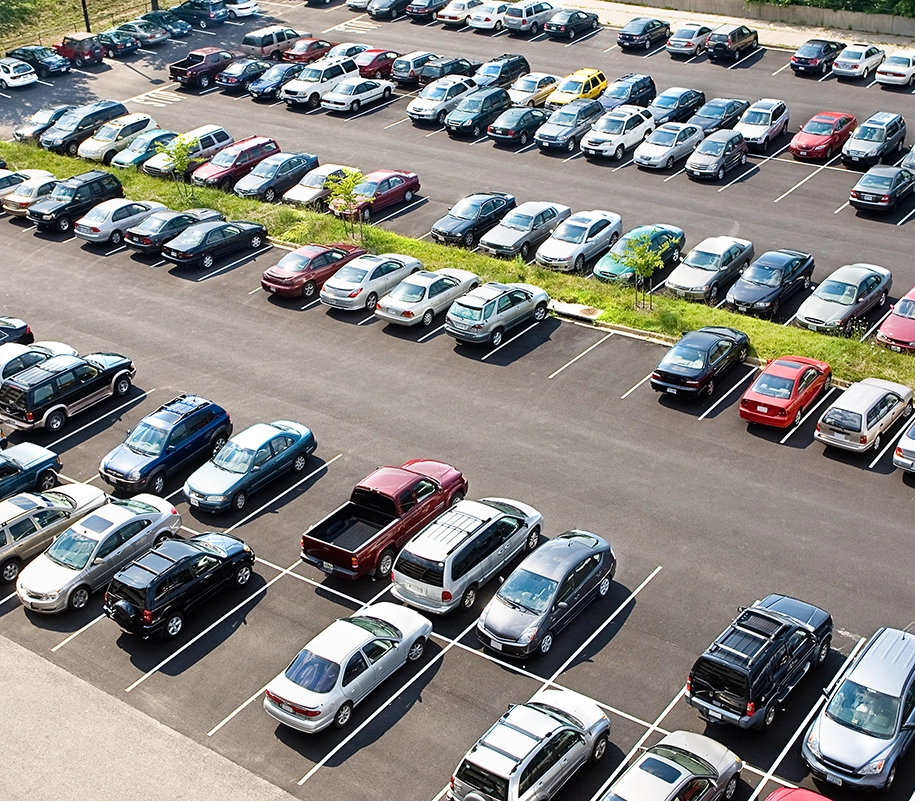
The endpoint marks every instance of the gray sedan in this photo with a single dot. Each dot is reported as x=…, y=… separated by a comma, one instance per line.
x=521, y=230
x=709, y=267
x=582, y=237
x=668, y=144
x=108, y=221
x=848, y=294
x=764, y=122
x=419, y=297
x=359, y=284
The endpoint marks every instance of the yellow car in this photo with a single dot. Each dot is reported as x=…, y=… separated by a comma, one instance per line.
x=581, y=83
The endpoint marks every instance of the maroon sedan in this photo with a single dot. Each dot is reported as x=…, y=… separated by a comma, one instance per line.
x=823, y=135
x=897, y=332
x=303, y=272
x=378, y=190
x=376, y=63
x=305, y=51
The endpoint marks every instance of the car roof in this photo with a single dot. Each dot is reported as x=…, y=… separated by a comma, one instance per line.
x=829, y=115
x=12, y=508
x=178, y=408
x=887, y=663
x=423, y=278
x=256, y=435
x=389, y=480
x=338, y=640
x=881, y=118
x=675, y=90
x=723, y=135
x=512, y=739
x=766, y=103
x=440, y=537
x=111, y=513
x=557, y=556
x=203, y=130
x=534, y=206
x=887, y=172
x=583, y=72
x=853, y=273
x=779, y=258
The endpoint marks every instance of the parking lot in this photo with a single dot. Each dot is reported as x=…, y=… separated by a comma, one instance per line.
x=703, y=513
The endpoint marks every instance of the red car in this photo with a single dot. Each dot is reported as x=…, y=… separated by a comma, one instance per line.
x=379, y=190
x=376, y=63
x=305, y=51
x=897, y=331
x=301, y=273
x=785, y=390
x=234, y=162
x=795, y=794
x=823, y=135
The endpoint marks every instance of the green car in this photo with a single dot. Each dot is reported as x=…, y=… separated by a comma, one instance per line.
x=666, y=240
x=143, y=148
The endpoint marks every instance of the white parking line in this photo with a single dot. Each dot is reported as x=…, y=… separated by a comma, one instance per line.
x=872, y=83
x=538, y=38
x=101, y=416
x=432, y=333
x=401, y=211
x=754, y=167
x=256, y=289
x=45, y=83
x=906, y=218
x=507, y=341
x=8, y=97
x=366, y=320
x=574, y=156
x=237, y=709
x=88, y=74
x=26, y=230
x=76, y=634
x=116, y=250
x=524, y=149
x=158, y=263
x=465, y=28
x=825, y=77
x=499, y=33
x=77, y=481
x=789, y=320
x=630, y=391
x=71, y=239
x=235, y=263
x=649, y=55
x=481, y=139
x=890, y=444
x=148, y=52
x=721, y=399
x=434, y=132
x=584, y=38
x=372, y=109
x=278, y=103
x=721, y=303
x=610, y=48
x=812, y=409
x=755, y=52
x=678, y=172
x=624, y=164
x=424, y=235
x=804, y=181
x=310, y=305
x=691, y=59
x=209, y=91
x=583, y=353
x=843, y=206
x=656, y=288
x=178, y=41
x=237, y=24
x=780, y=69
x=876, y=325
x=396, y=123
x=206, y=33
x=9, y=598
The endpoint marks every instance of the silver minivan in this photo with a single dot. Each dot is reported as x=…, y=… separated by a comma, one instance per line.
x=528, y=16
x=443, y=566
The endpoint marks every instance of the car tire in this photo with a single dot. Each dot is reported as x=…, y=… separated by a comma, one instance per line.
x=710, y=389
x=440, y=117
x=427, y=318
x=618, y=153
x=675, y=255
x=743, y=158
x=546, y=644
x=720, y=175
x=890, y=777
x=366, y=215
x=731, y=787
x=343, y=715
x=314, y=101
x=385, y=564
x=572, y=144
x=204, y=82
x=670, y=163
x=535, y=29
x=162, y=536
x=9, y=570
x=299, y=463
x=203, y=24
x=571, y=34
x=256, y=241
x=523, y=138
x=218, y=441
x=598, y=750
x=157, y=484
x=455, y=499
x=79, y=598
x=408, y=196
x=386, y=94
x=737, y=55
x=308, y=289
x=43, y=72
x=242, y=575
x=525, y=250
x=122, y=385
x=239, y=500
x=496, y=337
x=370, y=301
x=713, y=295
x=882, y=301
x=78, y=62
x=875, y=445
x=469, y=598
x=73, y=149
x=768, y=717
x=823, y=68
x=773, y=309
x=579, y=263
x=416, y=651
x=532, y=540
x=270, y=195
x=115, y=238
x=604, y=587
x=764, y=145
x=742, y=356
x=540, y=312
x=174, y=622
x=355, y=106
x=207, y=261
x=46, y=480
x=232, y=14
x=822, y=652
x=476, y=130
x=648, y=44
x=498, y=26
x=55, y=421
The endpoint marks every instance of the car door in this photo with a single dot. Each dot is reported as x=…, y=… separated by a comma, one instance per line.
x=358, y=678
x=867, y=297
x=807, y=387
x=263, y=466
x=24, y=539
x=567, y=751
x=215, y=241
x=283, y=452
x=209, y=575
x=91, y=385
x=800, y=645
x=385, y=656
x=718, y=357
x=179, y=448
x=12, y=479
x=904, y=183
x=50, y=522
x=441, y=292
x=511, y=535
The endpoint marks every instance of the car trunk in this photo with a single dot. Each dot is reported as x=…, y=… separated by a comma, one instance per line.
x=720, y=685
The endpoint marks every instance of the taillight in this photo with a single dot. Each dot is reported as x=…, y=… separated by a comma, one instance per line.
x=147, y=616
x=476, y=327
x=689, y=683
x=656, y=376
x=692, y=383
x=145, y=240
x=106, y=591
x=446, y=596
x=355, y=293
x=174, y=511
x=212, y=15
x=885, y=199
x=451, y=782
x=94, y=230
x=512, y=132
x=818, y=426
x=302, y=543
x=29, y=417
x=354, y=561
x=751, y=709
x=898, y=451
x=745, y=403
x=408, y=314
x=412, y=73
x=854, y=193
x=28, y=329
x=863, y=439
x=782, y=412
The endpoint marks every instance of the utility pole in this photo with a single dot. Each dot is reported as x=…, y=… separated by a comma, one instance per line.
x=86, y=16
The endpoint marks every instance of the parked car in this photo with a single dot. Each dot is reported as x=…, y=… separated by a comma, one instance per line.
x=580, y=238
x=201, y=13
x=316, y=80
x=643, y=32
x=44, y=60
x=502, y=70
x=242, y=8
x=721, y=112
x=420, y=296
x=585, y=83
x=437, y=68
x=165, y=19
x=523, y=229
x=858, y=61
x=152, y=594
x=204, y=142
x=425, y=10
x=12, y=329
x=162, y=226
x=15, y=357
x=438, y=98
x=145, y=31
x=528, y=16
x=306, y=50
x=73, y=197
x=764, y=122
x=115, y=136
x=10, y=181
x=274, y=175
x=570, y=22
x=270, y=42
x=561, y=731
x=247, y=462
x=15, y=74
x=375, y=62
x=882, y=189
x=822, y=135
x=881, y=137
x=354, y=93
x=199, y=245
x=897, y=331
x=709, y=267
x=517, y=125
x=860, y=417
x=359, y=284
x=392, y=9
x=676, y=105
x=904, y=453
x=18, y=202
x=78, y=124
x=897, y=69
x=690, y=39
x=178, y=433
x=314, y=189
x=339, y=668
x=769, y=281
x=668, y=144
x=630, y=89
x=716, y=154
x=143, y=148
x=85, y=556
x=816, y=55
x=268, y=85
x=486, y=313
x=489, y=16
x=533, y=89
x=234, y=162
x=200, y=67
x=36, y=124
x=568, y=124
x=617, y=131
x=471, y=217
x=784, y=391
x=691, y=366
x=457, y=12
x=241, y=73
x=109, y=220
x=406, y=68
x=476, y=111
x=379, y=190
x=844, y=297
x=732, y=41
x=861, y=734
x=303, y=271
x=545, y=593
x=80, y=49
x=666, y=240
x=28, y=467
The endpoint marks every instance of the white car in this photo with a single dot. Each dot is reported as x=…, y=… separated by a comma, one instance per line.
x=764, y=122
x=312, y=189
x=359, y=284
x=439, y=97
x=898, y=69
x=858, y=61
x=488, y=17
x=580, y=238
x=346, y=49
x=353, y=93
x=862, y=415
x=419, y=297
x=316, y=80
x=533, y=89
x=108, y=221
x=242, y=8
x=617, y=131
x=668, y=144
x=457, y=12
x=11, y=181
x=15, y=357
x=15, y=73
x=339, y=667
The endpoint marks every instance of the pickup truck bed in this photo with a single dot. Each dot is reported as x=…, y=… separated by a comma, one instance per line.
x=350, y=532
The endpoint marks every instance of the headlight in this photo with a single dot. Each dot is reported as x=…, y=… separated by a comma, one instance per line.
x=763, y=304
x=216, y=498
x=873, y=767
x=466, y=123
x=832, y=323
x=813, y=743
x=186, y=489
x=874, y=152
x=48, y=216
x=818, y=147
x=529, y=633
x=133, y=475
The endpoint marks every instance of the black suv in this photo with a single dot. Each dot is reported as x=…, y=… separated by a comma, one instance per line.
x=629, y=90
x=447, y=65
x=474, y=113
x=153, y=593
x=78, y=124
x=731, y=41
x=45, y=395
x=745, y=675
x=73, y=198
x=502, y=70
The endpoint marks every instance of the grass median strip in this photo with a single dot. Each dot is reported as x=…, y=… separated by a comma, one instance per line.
x=851, y=360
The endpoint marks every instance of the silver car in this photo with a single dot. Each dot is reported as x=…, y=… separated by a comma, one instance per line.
x=582, y=237
x=85, y=556
x=533, y=89
x=24, y=194
x=108, y=221
x=30, y=521
x=485, y=314
x=339, y=667
x=419, y=297
x=690, y=39
x=904, y=455
x=858, y=61
x=682, y=766
x=709, y=267
x=764, y=122
x=568, y=124
x=533, y=749
x=848, y=294
x=522, y=229
x=862, y=414
x=314, y=188
x=867, y=725
x=439, y=97
x=667, y=145
x=359, y=284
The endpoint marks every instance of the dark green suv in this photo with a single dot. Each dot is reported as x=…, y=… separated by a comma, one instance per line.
x=474, y=113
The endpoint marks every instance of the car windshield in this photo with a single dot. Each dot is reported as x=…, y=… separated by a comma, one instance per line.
x=24, y=190
x=313, y=672
x=489, y=69
x=310, y=74
x=233, y=458
x=465, y=312
x=366, y=189
x=188, y=239
x=408, y=292
x=107, y=133
x=53, y=498
x=350, y=274
x=466, y=209
x=818, y=128
x=905, y=308
x=225, y=158
x=69, y=121
x=315, y=180
x=572, y=232
x=98, y=214
x=763, y=275
x=142, y=142
x=702, y=260
x=527, y=590
x=898, y=61
x=564, y=119
x=842, y=418
x=525, y=85
x=710, y=147
x=661, y=137
x=666, y=101
x=865, y=710
x=774, y=386
x=434, y=92
x=518, y=221
x=266, y=169
x=471, y=104
x=713, y=110
x=71, y=549
x=44, y=52
x=275, y=73
x=881, y=182
x=375, y=626
x=757, y=117
x=42, y=116
x=147, y=440
x=610, y=125
x=573, y=87
x=618, y=91
x=870, y=133
x=684, y=356
x=836, y=292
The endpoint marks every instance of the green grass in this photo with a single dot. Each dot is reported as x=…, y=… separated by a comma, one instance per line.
x=851, y=360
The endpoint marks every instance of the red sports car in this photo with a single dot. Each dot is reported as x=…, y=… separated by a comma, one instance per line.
x=823, y=135
x=305, y=51
x=376, y=63
x=785, y=390
x=378, y=190
x=301, y=273
x=897, y=331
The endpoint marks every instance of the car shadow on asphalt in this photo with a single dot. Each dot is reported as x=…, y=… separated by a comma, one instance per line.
x=517, y=344
x=68, y=621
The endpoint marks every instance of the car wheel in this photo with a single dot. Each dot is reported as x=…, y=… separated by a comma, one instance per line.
x=670, y=163
x=571, y=34
x=115, y=238
x=308, y=289
x=498, y=26
x=110, y=53
x=256, y=241
x=122, y=386
x=239, y=501
x=366, y=214
x=386, y=94
x=594, y=24
x=476, y=130
x=218, y=441
x=710, y=389
x=618, y=153
x=598, y=750
x=162, y=536
x=204, y=82
x=427, y=319
x=720, y=174
x=828, y=153
x=768, y=717
x=314, y=101
x=806, y=282
x=731, y=788
x=469, y=598
x=495, y=339
x=79, y=598
x=408, y=196
x=203, y=24
x=46, y=480
x=42, y=72
x=533, y=539
x=765, y=144
x=207, y=261
x=72, y=149
x=440, y=118
x=822, y=651
x=737, y=55
x=675, y=255
x=55, y=422
x=456, y=499
x=907, y=410
x=157, y=484
x=742, y=356
x=648, y=44
x=773, y=310
x=570, y=147
x=882, y=300
x=604, y=587
x=890, y=777
x=523, y=138
x=546, y=643
x=232, y=14
x=78, y=62
x=10, y=570
x=242, y=575
x=525, y=250
x=540, y=312
x=299, y=464
x=370, y=301
x=743, y=157
x=355, y=106
x=416, y=650
x=535, y=29
x=270, y=195
x=823, y=68
x=344, y=715
x=173, y=625
x=469, y=240
x=579, y=263
x=63, y=224
x=875, y=446
x=713, y=294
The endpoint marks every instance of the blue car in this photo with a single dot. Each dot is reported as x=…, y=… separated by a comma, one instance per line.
x=27, y=467
x=247, y=462
x=165, y=19
x=183, y=430
x=268, y=85
x=143, y=148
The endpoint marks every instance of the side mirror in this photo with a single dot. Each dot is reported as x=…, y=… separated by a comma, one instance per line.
x=170, y=448
x=501, y=579
x=562, y=605
x=825, y=692
x=98, y=560
x=255, y=468
x=128, y=431
x=892, y=306
x=908, y=726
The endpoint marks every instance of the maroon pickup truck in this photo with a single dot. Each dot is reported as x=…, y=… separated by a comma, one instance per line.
x=386, y=508
x=201, y=66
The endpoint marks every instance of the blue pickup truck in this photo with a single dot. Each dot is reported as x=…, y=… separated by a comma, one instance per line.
x=27, y=467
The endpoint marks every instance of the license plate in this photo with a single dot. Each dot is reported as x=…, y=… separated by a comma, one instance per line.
x=833, y=779
x=803, y=152
x=82, y=228
x=742, y=308
x=713, y=713
x=855, y=158
x=327, y=567
x=496, y=645
x=812, y=327
x=285, y=707
x=762, y=409
x=681, y=293
x=194, y=501
x=416, y=590
x=462, y=326
x=896, y=348
x=837, y=435
x=671, y=390
x=270, y=288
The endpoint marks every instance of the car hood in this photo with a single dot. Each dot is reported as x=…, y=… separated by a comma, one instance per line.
x=824, y=310
x=661, y=114
x=610, y=265
x=251, y=183
x=212, y=480
x=500, y=235
x=847, y=746
x=748, y=292
x=161, y=161
x=452, y=225
x=422, y=104
x=55, y=134
x=260, y=84
x=650, y=151
x=42, y=575
x=860, y=148
x=28, y=454
x=127, y=158
x=597, y=138
x=690, y=277
x=506, y=622
x=705, y=123
x=208, y=172
x=901, y=328
x=552, y=129
x=31, y=129
x=48, y=206
x=110, y=360
x=123, y=460
x=519, y=98
x=751, y=131
x=460, y=116
x=702, y=160
x=805, y=141
x=555, y=249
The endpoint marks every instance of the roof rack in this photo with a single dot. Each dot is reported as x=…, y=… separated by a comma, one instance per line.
x=183, y=397
x=754, y=623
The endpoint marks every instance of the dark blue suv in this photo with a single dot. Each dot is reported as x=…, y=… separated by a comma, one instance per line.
x=182, y=431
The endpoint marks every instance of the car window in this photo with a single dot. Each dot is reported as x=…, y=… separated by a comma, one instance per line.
x=47, y=517
x=280, y=443
x=204, y=563
x=406, y=500
x=908, y=704
x=128, y=532
x=424, y=489
x=534, y=771
x=22, y=529
x=354, y=668
x=377, y=649
x=693, y=790
x=179, y=435
x=67, y=380
x=108, y=546
x=807, y=378
x=216, y=235
x=798, y=642
x=262, y=455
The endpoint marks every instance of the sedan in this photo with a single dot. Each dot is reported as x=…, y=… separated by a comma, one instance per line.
x=764, y=122
x=274, y=175
x=897, y=331
x=12, y=329
x=109, y=220
x=85, y=556
x=568, y=23
x=904, y=454
x=165, y=19
x=304, y=51
x=376, y=62
x=533, y=89
x=882, y=189
x=488, y=17
x=346, y=50
x=27, y=466
x=472, y=216
x=457, y=12
x=858, y=419
x=709, y=266
x=681, y=766
x=816, y=55
x=378, y=190
x=248, y=461
x=343, y=664
x=314, y=189
x=44, y=60
x=823, y=135
x=668, y=144
x=385, y=8
x=268, y=85
x=847, y=295
x=425, y=10
x=359, y=284
x=690, y=40
x=145, y=32
x=302, y=272
x=517, y=126
x=676, y=104
x=162, y=226
x=545, y=593
x=353, y=93
x=858, y=61
x=241, y=73
x=118, y=43
x=32, y=127
x=582, y=237
x=769, y=281
x=721, y=112
x=200, y=244
x=784, y=391
x=420, y=296
x=667, y=241
x=11, y=181
x=143, y=148
x=523, y=229
x=897, y=70
x=691, y=366
x=34, y=190
x=643, y=32
x=15, y=357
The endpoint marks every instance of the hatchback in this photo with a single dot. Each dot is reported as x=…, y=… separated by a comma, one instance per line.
x=732, y=41
x=859, y=418
x=881, y=137
x=485, y=314
x=476, y=111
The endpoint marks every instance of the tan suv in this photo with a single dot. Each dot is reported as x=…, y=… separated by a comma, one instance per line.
x=270, y=42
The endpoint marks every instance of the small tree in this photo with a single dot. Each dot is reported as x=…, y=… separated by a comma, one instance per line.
x=645, y=262
x=344, y=200
x=179, y=151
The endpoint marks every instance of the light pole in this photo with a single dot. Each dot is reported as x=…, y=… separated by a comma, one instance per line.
x=86, y=16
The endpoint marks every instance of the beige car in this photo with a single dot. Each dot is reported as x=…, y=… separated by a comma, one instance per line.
x=114, y=136
x=863, y=414
x=312, y=189
x=270, y=42
x=28, y=192
x=31, y=520
x=533, y=89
